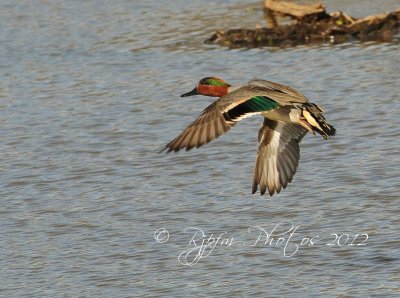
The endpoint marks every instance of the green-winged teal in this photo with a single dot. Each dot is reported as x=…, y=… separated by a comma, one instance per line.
x=288, y=116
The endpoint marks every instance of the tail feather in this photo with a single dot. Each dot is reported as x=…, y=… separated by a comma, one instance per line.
x=314, y=117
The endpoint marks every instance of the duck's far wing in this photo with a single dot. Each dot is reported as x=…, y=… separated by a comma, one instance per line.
x=208, y=126
x=278, y=155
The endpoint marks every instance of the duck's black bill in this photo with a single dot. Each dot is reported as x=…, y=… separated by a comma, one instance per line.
x=193, y=92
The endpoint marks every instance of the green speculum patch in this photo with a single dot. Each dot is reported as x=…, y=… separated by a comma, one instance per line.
x=254, y=104
x=261, y=104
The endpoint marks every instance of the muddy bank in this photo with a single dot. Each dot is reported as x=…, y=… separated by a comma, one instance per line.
x=311, y=24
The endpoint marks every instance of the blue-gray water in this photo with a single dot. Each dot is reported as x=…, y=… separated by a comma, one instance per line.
x=89, y=91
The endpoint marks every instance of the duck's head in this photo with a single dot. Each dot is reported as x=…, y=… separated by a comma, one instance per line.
x=210, y=86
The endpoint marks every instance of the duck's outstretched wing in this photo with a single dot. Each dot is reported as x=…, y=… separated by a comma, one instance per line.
x=219, y=117
x=278, y=155
x=208, y=126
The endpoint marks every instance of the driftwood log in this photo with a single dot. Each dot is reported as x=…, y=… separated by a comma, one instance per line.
x=294, y=10
x=312, y=24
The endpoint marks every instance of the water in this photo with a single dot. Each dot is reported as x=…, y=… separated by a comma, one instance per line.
x=89, y=91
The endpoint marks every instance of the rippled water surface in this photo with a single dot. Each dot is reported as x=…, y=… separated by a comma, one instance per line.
x=89, y=92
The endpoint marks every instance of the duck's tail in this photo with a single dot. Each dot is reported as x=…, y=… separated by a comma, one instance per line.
x=312, y=114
